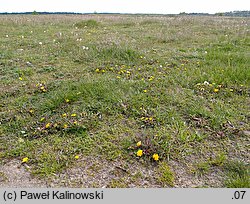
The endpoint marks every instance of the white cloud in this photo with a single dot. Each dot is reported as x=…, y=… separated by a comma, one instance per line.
x=125, y=6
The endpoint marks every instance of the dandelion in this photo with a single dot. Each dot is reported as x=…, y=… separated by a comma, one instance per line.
x=47, y=125
x=25, y=160
x=20, y=78
x=65, y=126
x=138, y=144
x=231, y=90
x=42, y=88
x=76, y=157
x=75, y=122
x=73, y=115
x=216, y=90
x=66, y=100
x=151, y=78
x=64, y=115
x=139, y=153
x=156, y=157
x=31, y=111
x=97, y=70
x=118, y=77
x=150, y=118
x=145, y=91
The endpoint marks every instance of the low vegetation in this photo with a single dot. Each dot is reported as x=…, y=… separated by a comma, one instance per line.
x=167, y=94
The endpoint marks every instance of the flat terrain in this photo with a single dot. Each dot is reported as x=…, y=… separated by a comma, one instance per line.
x=124, y=101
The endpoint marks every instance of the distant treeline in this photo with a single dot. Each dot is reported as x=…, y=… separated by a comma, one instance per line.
x=231, y=13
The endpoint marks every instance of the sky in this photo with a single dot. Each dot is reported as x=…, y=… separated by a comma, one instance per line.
x=125, y=6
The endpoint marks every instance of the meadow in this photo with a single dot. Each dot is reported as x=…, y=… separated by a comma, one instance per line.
x=124, y=101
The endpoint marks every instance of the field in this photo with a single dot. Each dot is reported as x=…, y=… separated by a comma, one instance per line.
x=124, y=101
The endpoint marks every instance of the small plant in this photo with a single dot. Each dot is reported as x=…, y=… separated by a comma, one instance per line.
x=88, y=23
x=202, y=168
x=237, y=175
x=164, y=175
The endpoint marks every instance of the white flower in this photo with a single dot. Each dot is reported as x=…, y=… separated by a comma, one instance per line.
x=40, y=43
x=85, y=48
x=206, y=83
x=7, y=36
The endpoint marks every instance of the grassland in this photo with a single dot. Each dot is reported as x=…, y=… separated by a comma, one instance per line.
x=81, y=95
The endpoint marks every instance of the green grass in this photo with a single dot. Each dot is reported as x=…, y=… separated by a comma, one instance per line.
x=80, y=86
x=237, y=175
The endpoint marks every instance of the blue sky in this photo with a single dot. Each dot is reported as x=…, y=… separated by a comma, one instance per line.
x=125, y=6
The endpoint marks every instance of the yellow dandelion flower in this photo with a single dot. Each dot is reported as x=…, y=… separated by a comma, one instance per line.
x=139, y=153
x=31, y=111
x=151, y=118
x=73, y=115
x=145, y=91
x=97, y=70
x=42, y=87
x=25, y=160
x=77, y=157
x=231, y=90
x=216, y=90
x=20, y=78
x=64, y=115
x=138, y=144
x=65, y=126
x=66, y=100
x=156, y=157
x=47, y=125
x=118, y=77
x=75, y=122
x=103, y=71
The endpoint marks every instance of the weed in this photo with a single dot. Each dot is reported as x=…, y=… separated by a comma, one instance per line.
x=165, y=175
x=237, y=175
x=88, y=23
